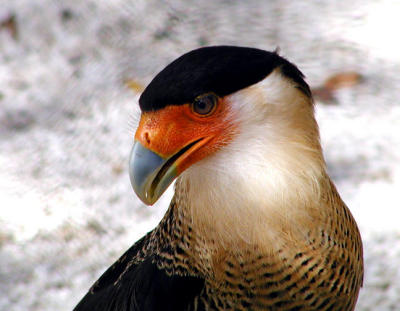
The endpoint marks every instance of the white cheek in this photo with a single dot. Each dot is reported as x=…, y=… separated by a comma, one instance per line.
x=258, y=160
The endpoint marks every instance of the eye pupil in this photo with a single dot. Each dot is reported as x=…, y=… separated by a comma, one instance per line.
x=204, y=104
x=201, y=105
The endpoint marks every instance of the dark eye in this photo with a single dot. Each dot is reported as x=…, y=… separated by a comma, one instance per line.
x=204, y=105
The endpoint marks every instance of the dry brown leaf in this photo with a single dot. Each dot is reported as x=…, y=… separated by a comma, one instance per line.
x=134, y=85
x=342, y=79
x=9, y=23
x=325, y=93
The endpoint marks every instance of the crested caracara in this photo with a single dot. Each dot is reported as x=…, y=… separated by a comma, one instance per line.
x=255, y=222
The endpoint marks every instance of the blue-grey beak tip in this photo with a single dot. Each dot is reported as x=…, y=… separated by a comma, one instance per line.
x=144, y=167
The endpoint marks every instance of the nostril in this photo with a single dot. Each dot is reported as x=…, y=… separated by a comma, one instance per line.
x=146, y=137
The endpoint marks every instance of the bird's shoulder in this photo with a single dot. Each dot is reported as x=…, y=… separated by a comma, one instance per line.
x=136, y=282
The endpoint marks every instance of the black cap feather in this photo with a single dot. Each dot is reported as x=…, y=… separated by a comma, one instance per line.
x=219, y=69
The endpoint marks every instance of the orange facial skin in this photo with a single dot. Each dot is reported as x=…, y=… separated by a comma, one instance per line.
x=170, y=129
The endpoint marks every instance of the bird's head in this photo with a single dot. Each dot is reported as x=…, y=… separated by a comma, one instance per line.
x=222, y=111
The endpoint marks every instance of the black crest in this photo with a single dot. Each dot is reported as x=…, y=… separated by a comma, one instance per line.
x=219, y=69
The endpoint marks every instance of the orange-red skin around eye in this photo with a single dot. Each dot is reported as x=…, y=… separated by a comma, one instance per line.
x=168, y=130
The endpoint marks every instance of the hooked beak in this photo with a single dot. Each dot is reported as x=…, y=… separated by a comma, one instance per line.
x=144, y=167
x=150, y=173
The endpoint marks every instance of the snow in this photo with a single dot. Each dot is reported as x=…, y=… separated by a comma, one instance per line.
x=67, y=210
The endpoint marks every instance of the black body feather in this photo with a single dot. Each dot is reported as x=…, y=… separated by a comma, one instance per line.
x=132, y=286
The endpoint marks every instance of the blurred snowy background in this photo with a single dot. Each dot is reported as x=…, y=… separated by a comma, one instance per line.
x=67, y=121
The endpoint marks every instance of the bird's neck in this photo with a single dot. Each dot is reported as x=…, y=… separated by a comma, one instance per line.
x=266, y=210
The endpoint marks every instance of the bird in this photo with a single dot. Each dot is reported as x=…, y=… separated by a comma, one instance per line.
x=255, y=222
